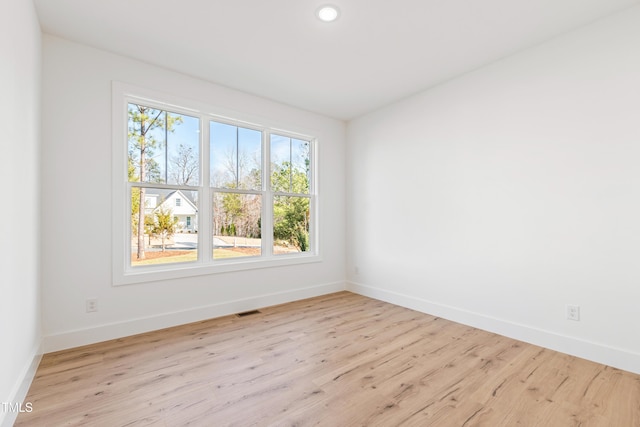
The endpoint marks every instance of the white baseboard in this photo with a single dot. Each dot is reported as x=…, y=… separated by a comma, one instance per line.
x=111, y=331
x=600, y=353
x=17, y=397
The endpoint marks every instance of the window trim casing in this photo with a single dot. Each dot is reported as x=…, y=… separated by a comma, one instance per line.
x=122, y=272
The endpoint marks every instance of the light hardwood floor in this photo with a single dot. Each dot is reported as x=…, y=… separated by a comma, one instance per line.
x=336, y=360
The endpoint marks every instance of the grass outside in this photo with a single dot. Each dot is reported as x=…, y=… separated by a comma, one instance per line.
x=166, y=257
x=174, y=256
x=247, y=248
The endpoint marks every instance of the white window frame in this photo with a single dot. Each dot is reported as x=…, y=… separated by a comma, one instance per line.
x=123, y=272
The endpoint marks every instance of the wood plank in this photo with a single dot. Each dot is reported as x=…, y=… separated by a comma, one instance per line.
x=336, y=360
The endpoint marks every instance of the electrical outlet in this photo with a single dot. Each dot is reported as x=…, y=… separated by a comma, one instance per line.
x=92, y=305
x=573, y=312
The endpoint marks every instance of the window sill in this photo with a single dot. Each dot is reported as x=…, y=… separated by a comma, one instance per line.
x=192, y=269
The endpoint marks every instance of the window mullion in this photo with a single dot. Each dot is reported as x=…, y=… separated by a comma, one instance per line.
x=267, y=197
x=235, y=191
x=129, y=233
x=290, y=166
x=237, y=157
x=282, y=193
x=205, y=208
x=149, y=184
x=313, y=191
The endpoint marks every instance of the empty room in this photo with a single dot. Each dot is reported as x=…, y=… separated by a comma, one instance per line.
x=343, y=213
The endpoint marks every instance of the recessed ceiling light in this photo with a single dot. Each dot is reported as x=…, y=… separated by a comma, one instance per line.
x=327, y=13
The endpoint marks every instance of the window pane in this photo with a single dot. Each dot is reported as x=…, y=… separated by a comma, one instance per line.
x=236, y=225
x=249, y=159
x=183, y=150
x=290, y=165
x=236, y=157
x=300, y=161
x=223, y=154
x=280, y=163
x=160, y=232
x=163, y=147
x=290, y=224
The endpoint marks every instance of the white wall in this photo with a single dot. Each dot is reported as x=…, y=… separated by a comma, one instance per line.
x=503, y=195
x=20, y=74
x=76, y=200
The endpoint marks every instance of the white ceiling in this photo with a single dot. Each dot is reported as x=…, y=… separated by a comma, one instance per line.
x=377, y=52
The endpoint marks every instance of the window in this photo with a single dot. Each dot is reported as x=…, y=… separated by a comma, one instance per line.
x=162, y=161
x=197, y=193
x=290, y=184
x=236, y=182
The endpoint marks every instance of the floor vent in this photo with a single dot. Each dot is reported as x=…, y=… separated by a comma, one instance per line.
x=247, y=313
